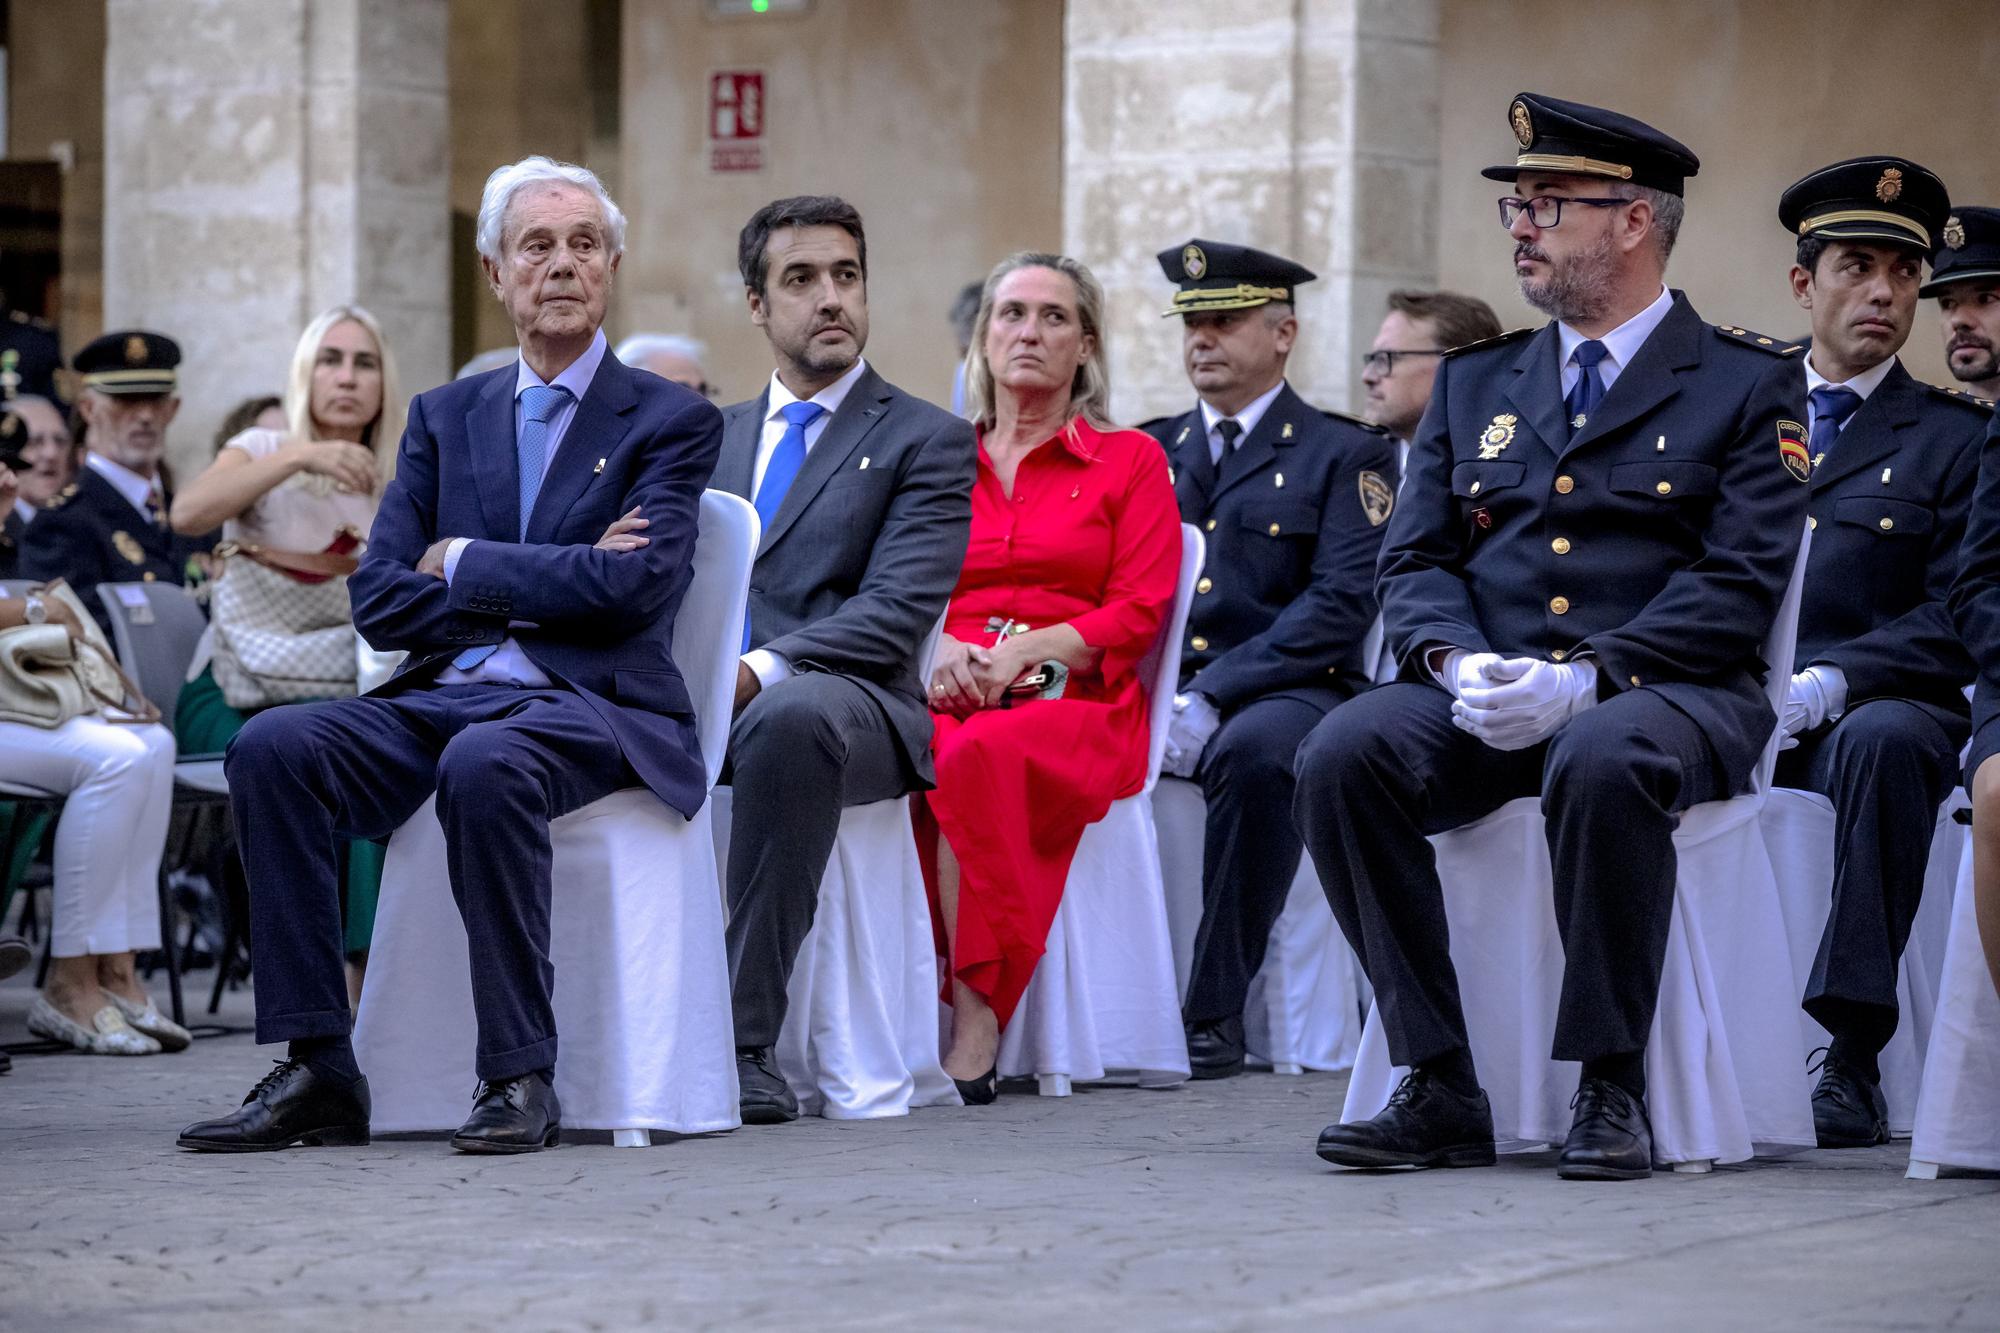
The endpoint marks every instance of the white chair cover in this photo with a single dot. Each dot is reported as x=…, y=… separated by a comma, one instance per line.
x=1798, y=829
x=1103, y=996
x=1955, y=1121
x=642, y=978
x=1305, y=1005
x=1722, y=1066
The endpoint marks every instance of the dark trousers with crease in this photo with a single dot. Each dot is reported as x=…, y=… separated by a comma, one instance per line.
x=799, y=753
x=1386, y=770
x=1886, y=765
x=503, y=762
x=1250, y=848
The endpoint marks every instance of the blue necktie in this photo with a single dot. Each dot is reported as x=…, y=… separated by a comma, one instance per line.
x=1832, y=405
x=538, y=403
x=782, y=470
x=1588, y=391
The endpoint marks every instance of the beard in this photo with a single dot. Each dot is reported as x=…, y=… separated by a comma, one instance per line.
x=816, y=359
x=1985, y=369
x=1577, y=288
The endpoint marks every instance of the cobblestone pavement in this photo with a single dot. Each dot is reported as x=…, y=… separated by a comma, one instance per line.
x=1201, y=1207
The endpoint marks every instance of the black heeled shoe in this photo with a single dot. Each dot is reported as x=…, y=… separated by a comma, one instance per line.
x=979, y=1091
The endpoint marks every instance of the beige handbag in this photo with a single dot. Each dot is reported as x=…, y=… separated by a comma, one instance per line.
x=284, y=631
x=47, y=678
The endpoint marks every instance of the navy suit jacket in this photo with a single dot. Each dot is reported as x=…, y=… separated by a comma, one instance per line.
x=1658, y=539
x=599, y=622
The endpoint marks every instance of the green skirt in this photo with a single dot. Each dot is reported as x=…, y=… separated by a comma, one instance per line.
x=204, y=723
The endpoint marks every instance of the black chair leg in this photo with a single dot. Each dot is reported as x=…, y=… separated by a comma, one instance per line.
x=48, y=950
x=170, y=947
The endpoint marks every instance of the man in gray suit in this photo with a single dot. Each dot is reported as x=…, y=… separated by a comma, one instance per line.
x=866, y=499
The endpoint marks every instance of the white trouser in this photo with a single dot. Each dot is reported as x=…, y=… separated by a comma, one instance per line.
x=120, y=783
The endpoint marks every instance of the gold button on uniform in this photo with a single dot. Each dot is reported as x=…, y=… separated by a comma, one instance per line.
x=1198, y=643
x=1274, y=529
x=1888, y=523
x=1472, y=489
x=1560, y=546
x=1635, y=682
x=1812, y=524
x=1665, y=488
x=1565, y=484
x=1559, y=605
x=1210, y=525
x=1203, y=586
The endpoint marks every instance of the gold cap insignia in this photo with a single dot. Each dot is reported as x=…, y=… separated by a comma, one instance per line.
x=1524, y=125
x=1194, y=263
x=1954, y=233
x=1498, y=436
x=1890, y=187
x=128, y=547
x=135, y=351
x=1378, y=498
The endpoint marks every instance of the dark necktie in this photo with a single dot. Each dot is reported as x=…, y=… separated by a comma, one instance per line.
x=1588, y=391
x=1832, y=405
x=1231, y=430
x=155, y=510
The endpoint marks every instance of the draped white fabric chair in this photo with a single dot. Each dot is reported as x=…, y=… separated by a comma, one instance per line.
x=1103, y=996
x=1722, y=1068
x=1955, y=1123
x=1799, y=830
x=641, y=975
x=860, y=1040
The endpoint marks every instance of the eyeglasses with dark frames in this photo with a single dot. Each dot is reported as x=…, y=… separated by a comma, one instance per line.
x=1546, y=210
x=1385, y=360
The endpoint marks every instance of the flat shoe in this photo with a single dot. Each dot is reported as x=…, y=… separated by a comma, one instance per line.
x=108, y=1034
x=147, y=1019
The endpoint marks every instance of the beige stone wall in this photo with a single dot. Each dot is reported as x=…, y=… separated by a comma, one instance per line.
x=265, y=159
x=55, y=110
x=941, y=122
x=1762, y=90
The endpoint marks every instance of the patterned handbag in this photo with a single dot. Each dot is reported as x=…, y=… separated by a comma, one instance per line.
x=284, y=630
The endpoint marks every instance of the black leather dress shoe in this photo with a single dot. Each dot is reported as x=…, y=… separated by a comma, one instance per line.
x=1848, y=1110
x=1611, y=1137
x=512, y=1115
x=292, y=1106
x=1215, y=1048
x=1424, y=1124
x=762, y=1093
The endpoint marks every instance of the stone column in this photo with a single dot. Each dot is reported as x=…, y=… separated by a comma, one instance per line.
x=1305, y=127
x=265, y=159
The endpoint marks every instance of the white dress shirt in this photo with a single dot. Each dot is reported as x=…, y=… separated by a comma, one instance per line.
x=1620, y=345
x=25, y=511
x=135, y=488
x=1867, y=382
x=767, y=666
x=508, y=665
x=1247, y=418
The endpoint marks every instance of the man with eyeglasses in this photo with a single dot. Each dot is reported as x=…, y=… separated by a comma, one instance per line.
x=1398, y=370
x=1877, y=711
x=1597, y=527
x=1292, y=503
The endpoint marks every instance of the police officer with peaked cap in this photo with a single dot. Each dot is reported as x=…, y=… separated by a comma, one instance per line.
x=110, y=524
x=1596, y=528
x=1291, y=502
x=1965, y=279
x=1877, y=712
x=29, y=354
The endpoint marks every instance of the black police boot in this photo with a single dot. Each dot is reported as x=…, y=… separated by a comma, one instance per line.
x=1215, y=1048
x=1611, y=1137
x=1849, y=1110
x=1424, y=1124
x=292, y=1106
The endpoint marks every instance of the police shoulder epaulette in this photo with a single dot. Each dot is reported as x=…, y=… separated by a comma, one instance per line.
x=33, y=322
x=62, y=497
x=1353, y=420
x=1960, y=398
x=1497, y=339
x=1775, y=346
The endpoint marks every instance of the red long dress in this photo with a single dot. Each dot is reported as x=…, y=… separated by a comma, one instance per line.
x=1090, y=537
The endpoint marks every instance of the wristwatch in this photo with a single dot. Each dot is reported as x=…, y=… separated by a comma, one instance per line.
x=38, y=610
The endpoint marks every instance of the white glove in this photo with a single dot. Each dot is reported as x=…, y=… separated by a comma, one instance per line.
x=1462, y=670
x=1816, y=694
x=1195, y=720
x=1528, y=701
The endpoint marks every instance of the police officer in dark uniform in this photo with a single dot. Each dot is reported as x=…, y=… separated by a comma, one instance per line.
x=1291, y=502
x=13, y=438
x=110, y=524
x=1877, y=709
x=29, y=354
x=1596, y=528
x=1965, y=280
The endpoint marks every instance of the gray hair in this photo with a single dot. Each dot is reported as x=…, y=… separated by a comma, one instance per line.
x=638, y=346
x=1668, y=210
x=506, y=182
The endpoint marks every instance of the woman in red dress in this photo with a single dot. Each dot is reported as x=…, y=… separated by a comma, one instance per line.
x=1073, y=558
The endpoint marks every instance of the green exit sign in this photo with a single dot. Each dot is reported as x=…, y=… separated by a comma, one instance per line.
x=737, y=9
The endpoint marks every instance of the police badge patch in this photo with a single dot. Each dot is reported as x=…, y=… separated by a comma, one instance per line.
x=1378, y=498
x=1497, y=436
x=1792, y=450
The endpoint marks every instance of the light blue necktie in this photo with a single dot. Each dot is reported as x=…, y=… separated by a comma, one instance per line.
x=782, y=470
x=538, y=404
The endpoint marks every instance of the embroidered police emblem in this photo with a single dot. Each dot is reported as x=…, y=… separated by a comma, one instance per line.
x=1378, y=499
x=1792, y=450
x=1194, y=263
x=1498, y=436
x=135, y=351
x=1954, y=233
x=128, y=547
x=1890, y=187
x=1524, y=126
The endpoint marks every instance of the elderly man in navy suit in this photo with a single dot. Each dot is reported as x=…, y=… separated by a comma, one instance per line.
x=539, y=677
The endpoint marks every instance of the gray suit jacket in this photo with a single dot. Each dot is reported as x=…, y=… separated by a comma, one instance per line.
x=860, y=559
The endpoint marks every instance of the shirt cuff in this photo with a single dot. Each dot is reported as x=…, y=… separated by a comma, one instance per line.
x=768, y=667
x=451, y=555
x=1832, y=688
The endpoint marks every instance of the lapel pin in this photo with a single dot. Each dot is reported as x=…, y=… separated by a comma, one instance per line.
x=864, y=464
x=1075, y=491
x=1281, y=476
x=1286, y=433
x=598, y=471
x=1183, y=435
x=1885, y=475
x=1660, y=445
